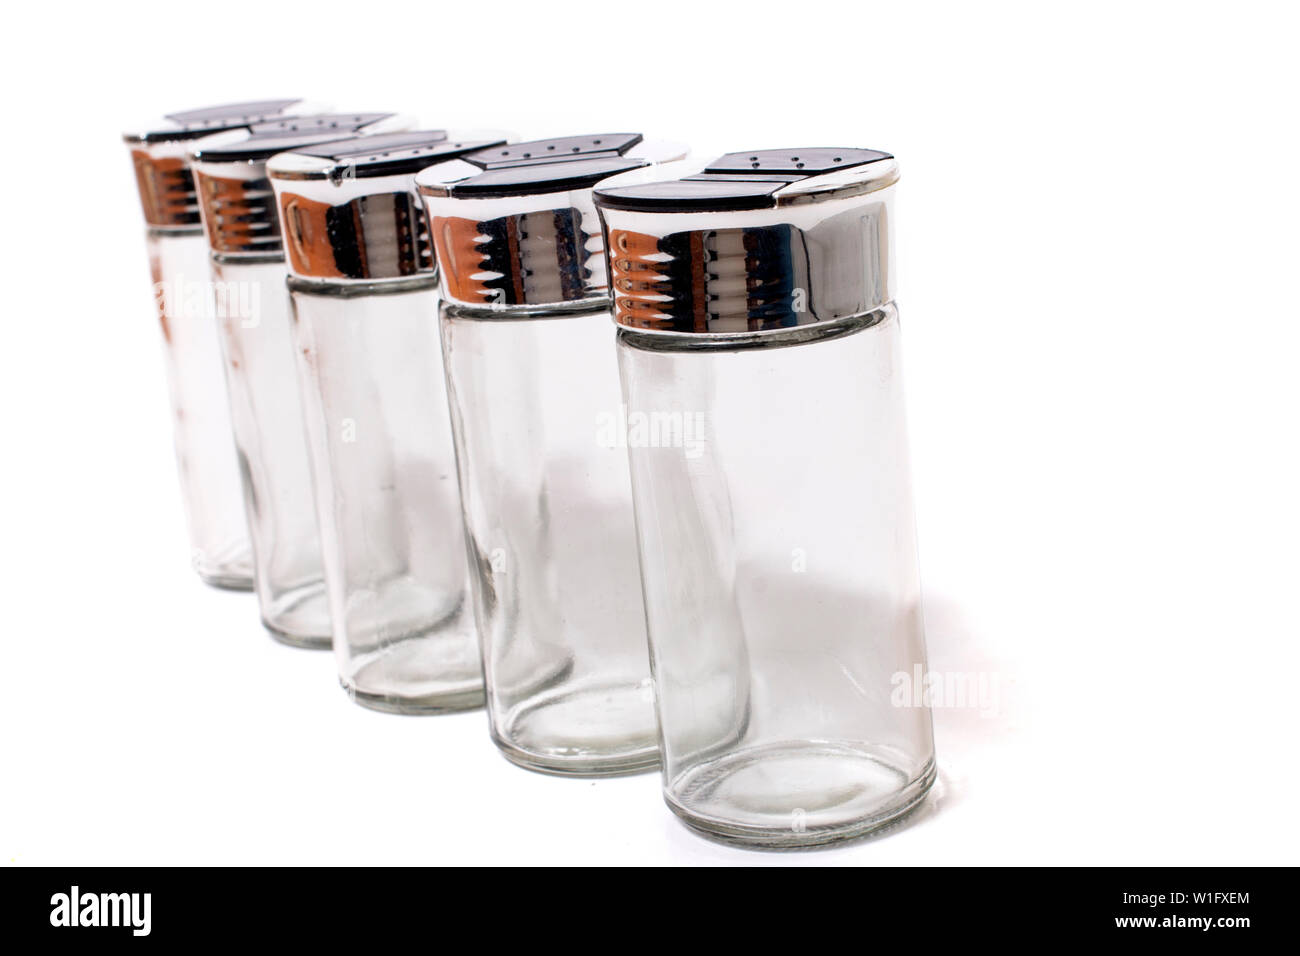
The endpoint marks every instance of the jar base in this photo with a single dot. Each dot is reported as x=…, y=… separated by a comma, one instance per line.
x=297, y=640
x=301, y=617
x=795, y=794
x=445, y=703
x=226, y=581
x=586, y=730
x=433, y=672
x=229, y=568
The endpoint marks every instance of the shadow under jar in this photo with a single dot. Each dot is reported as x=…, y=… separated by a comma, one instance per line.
x=187, y=310
x=754, y=304
x=374, y=394
x=533, y=382
x=248, y=266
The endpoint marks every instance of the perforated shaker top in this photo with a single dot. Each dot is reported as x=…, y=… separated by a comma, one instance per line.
x=752, y=242
x=515, y=225
x=349, y=210
x=235, y=195
x=163, y=176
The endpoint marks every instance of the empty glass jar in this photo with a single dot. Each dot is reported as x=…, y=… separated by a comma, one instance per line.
x=243, y=233
x=364, y=296
x=536, y=409
x=187, y=313
x=754, y=300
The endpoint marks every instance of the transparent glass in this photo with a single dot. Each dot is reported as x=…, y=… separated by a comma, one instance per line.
x=376, y=410
x=548, y=511
x=781, y=583
x=205, y=449
x=266, y=411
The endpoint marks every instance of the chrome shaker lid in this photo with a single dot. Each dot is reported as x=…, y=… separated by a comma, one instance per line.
x=235, y=197
x=752, y=242
x=515, y=225
x=349, y=210
x=159, y=155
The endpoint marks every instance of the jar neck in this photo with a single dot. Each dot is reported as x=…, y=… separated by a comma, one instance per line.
x=669, y=341
x=359, y=289
x=527, y=313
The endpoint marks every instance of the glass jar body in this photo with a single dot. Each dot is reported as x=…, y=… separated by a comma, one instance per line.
x=781, y=582
x=382, y=455
x=536, y=411
x=205, y=448
x=266, y=412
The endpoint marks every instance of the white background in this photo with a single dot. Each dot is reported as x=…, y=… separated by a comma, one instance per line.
x=1099, y=238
